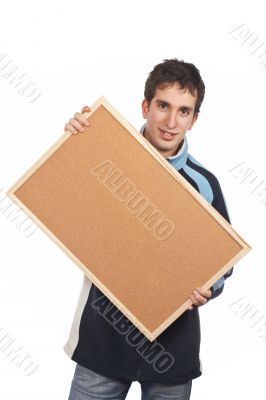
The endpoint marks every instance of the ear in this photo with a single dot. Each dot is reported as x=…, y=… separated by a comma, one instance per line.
x=145, y=108
x=194, y=119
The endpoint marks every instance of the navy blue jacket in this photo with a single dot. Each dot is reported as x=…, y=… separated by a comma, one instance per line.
x=105, y=341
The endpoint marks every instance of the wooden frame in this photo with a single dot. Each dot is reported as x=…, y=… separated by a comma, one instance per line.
x=136, y=228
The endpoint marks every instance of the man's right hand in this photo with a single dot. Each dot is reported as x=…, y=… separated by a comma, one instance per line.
x=76, y=124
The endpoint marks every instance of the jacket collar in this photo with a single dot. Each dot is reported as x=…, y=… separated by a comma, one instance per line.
x=180, y=158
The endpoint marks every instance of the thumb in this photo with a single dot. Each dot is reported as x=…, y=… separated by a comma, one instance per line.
x=85, y=109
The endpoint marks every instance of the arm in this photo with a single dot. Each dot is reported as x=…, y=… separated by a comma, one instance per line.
x=219, y=204
x=200, y=296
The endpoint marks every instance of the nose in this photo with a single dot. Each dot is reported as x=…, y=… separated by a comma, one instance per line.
x=171, y=120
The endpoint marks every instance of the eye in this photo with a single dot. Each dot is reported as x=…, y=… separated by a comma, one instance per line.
x=163, y=106
x=184, y=111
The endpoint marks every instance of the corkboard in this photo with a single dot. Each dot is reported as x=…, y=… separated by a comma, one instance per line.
x=138, y=230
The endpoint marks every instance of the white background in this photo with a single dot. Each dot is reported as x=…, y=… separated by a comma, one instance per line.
x=74, y=52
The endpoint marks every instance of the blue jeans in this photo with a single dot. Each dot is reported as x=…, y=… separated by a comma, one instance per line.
x=88, y=385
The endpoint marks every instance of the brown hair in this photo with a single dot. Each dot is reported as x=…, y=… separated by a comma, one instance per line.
x=174, y=71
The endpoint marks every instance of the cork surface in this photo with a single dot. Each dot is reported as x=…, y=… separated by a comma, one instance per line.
x=133, y=226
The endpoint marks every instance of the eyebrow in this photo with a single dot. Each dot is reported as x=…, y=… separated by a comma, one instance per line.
x=159, y=101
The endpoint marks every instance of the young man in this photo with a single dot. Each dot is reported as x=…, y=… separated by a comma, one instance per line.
x=108, y=356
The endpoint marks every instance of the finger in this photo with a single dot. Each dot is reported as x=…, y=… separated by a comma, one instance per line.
x=193, y=299
x=76, y=125
x=71, y=129
x=199, y=298
x=81, y=119
x=206, y=293
x=85, y=109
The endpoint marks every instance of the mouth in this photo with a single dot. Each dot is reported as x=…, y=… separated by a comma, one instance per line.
x=166, y=134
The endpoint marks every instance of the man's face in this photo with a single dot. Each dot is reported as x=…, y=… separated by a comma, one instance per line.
x=169, y=116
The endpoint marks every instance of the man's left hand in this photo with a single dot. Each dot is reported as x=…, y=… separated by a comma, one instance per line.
x=199, y=297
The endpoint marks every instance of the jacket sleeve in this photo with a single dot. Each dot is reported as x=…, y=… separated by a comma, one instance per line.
x=219, y=204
